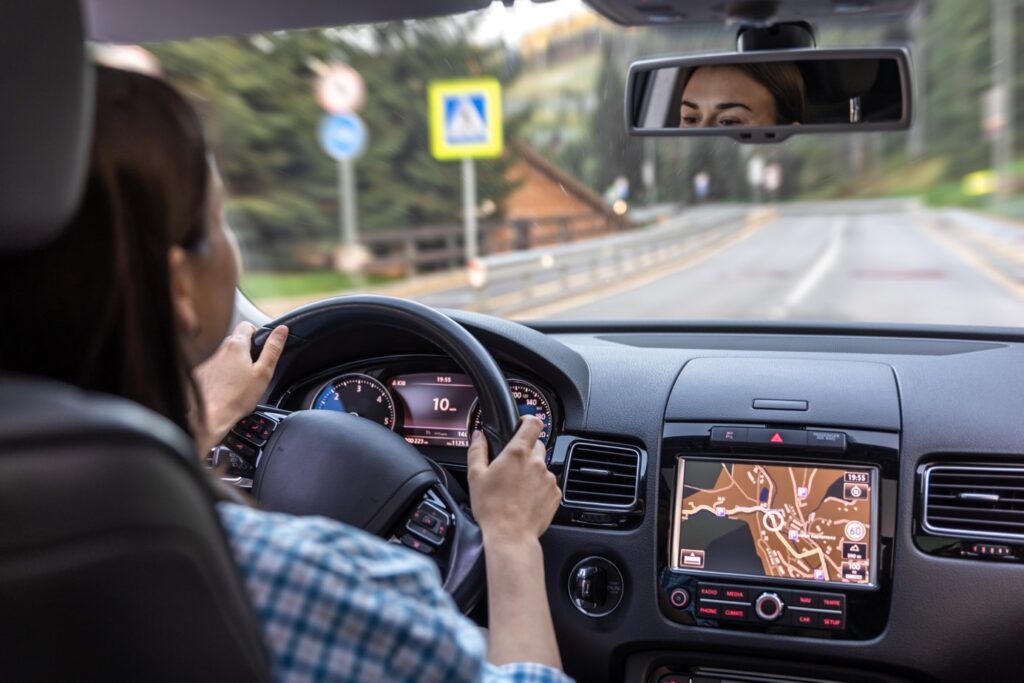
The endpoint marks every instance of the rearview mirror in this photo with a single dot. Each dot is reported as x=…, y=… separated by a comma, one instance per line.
x=768, y=96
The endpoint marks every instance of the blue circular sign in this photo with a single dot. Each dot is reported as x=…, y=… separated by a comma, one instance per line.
x=343, y=136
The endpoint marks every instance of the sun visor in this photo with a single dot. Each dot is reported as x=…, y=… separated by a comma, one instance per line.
x=45, y=120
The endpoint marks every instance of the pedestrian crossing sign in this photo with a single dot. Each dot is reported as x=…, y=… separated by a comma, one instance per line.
x=465, y=118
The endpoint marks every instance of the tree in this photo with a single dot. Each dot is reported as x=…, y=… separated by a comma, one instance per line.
x=256, y=95
x=616, y=152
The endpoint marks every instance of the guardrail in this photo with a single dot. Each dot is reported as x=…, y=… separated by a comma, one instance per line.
x=508, y=283
x=409, y=251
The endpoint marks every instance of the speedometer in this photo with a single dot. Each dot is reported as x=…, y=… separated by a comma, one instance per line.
x=530, y=401
x=360, y=395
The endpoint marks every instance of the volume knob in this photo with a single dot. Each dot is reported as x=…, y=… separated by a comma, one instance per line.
x=768, y=606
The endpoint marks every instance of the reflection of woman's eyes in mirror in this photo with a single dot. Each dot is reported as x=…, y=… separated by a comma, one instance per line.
x=689, y=117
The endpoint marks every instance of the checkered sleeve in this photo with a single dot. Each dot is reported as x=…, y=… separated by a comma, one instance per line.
x=338, y=604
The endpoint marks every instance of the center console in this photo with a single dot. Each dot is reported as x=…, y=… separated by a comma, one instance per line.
x=767, y=530
x=777, y=498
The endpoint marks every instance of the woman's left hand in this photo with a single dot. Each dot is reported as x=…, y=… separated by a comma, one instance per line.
x=230, y=383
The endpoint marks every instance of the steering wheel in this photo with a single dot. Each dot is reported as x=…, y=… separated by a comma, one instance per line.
x=318, y=462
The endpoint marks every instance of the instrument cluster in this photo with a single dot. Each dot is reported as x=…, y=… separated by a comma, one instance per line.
x=431, y=404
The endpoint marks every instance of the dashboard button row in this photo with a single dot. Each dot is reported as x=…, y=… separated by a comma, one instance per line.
x=778, y=438
x=805, y=609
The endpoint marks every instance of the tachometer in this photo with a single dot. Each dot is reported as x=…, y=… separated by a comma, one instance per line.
x=360, y=395
x=530, y=401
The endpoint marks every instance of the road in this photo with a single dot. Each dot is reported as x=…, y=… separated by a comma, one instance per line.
x=465, y=296
x=840, y=262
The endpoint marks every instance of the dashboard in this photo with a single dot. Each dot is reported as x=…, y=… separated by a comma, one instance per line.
x=742, y=502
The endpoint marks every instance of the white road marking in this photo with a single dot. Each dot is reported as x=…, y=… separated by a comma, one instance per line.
x=813, y=277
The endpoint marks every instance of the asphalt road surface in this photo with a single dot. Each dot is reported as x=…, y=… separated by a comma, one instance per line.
x=841, y=263
x=465, y=296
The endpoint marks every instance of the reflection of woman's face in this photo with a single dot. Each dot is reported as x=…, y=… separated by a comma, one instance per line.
x=725, y=96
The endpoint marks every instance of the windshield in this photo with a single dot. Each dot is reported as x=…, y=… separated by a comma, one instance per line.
x=481, y=162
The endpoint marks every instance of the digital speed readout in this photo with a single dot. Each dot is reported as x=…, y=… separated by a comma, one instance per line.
x=437, y=408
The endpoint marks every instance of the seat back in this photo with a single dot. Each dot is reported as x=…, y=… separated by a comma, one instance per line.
x=113, y=564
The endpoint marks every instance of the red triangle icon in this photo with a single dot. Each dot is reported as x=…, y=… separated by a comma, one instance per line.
x=776, y=438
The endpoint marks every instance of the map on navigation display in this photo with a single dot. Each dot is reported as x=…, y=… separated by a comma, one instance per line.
x=796, y=522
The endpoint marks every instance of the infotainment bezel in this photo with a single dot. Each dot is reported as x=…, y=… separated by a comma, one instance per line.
x=874, y=537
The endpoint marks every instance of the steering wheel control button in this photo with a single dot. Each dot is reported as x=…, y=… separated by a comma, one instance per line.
x=242, y=448
x=769, y=606
x=428, y=523
x=238, y=466
x=680, y=598
x=595, y=586
x=417, y=544
x=256, y=429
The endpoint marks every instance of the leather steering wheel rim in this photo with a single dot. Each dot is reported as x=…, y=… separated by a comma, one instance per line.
x=499, y=415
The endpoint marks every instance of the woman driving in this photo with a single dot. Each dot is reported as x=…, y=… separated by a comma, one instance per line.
x=743, y=95
x=135, y=299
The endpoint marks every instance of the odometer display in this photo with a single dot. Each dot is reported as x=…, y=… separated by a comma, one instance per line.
x=530, y=401
x=360, y=395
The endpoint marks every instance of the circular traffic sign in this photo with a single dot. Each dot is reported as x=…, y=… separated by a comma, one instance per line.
x=855, y=531
x=341, y=89
x=342, y=136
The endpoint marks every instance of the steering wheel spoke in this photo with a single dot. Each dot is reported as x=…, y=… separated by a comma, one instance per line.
x=238, y=455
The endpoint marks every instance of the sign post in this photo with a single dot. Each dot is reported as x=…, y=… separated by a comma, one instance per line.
x=466, y=124
x=343, y=137
x=469, y=207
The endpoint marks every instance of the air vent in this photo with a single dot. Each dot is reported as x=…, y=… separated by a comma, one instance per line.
x=974, y=501
x=601, y=475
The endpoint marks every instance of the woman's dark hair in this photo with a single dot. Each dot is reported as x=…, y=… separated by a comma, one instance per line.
x=93, y=308
x=786, y=84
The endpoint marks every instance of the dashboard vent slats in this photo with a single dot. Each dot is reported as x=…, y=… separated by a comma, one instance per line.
x=601, y=475
x=975, y=501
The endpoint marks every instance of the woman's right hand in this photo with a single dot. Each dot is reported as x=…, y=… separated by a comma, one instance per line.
x=514, y=497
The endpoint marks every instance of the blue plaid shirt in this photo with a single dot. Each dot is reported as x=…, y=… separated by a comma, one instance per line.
x=338, y=604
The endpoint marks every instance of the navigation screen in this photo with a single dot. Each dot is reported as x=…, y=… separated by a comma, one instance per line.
x=805, y=522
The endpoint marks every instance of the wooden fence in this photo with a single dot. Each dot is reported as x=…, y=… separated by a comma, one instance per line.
x=407, y=251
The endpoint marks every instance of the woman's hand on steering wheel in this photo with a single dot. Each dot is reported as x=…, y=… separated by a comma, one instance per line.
x=515, y=496
x=231, y=383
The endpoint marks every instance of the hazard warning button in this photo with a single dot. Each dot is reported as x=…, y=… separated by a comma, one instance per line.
x=779, y=438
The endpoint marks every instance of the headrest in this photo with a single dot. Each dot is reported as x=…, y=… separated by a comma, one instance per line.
x=45, y=119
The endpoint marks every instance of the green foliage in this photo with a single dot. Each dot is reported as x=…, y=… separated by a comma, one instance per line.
x=266, y=285
x=256, y=95
x=614, y=152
